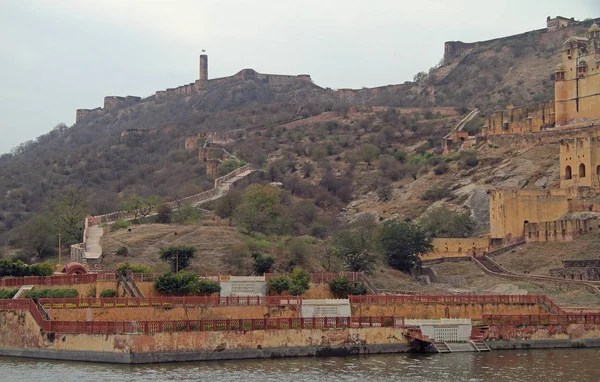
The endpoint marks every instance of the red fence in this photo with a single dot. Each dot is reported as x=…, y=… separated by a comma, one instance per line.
x=243, y=324
x=168, y=302
x=250, y=324
x=48, y=280
x=543, y=319
x=462, y=299
x=323, y=278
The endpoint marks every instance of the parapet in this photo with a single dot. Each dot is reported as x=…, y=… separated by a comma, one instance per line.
x=115, y=102
x=82, y=114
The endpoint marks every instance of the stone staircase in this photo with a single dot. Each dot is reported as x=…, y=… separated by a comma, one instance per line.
x=22, y=291
x=480, y=345
x=441, y=347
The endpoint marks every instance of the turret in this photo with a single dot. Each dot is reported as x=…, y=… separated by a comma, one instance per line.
x=203, y=68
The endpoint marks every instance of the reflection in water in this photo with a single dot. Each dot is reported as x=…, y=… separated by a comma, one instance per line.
x=534, y=365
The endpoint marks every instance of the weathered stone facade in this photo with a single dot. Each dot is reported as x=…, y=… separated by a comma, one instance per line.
x=578, y=270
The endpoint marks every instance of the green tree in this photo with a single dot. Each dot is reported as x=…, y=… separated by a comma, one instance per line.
x=140, y=207
x=356, y=246
x=37, y=236
x=67, y=213
x=262, y=264
x=444, y=222
x=279, y=284
x=226, y=205
x=402, y=242
x=178, y=256
x=369, y=153
x=259, y=209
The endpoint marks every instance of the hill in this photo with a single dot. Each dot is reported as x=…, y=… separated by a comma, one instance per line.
x=343, y=150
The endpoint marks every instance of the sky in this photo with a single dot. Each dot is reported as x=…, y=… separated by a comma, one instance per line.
x=57, y=56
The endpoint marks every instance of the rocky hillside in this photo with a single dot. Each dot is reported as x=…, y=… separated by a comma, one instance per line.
x=350, y=156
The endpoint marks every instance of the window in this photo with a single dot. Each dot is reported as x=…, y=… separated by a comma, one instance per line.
x=568, y=174
x=582, y=170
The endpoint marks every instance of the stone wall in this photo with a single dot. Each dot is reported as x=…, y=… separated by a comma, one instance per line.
x=559, y=230
x=114, y=102
x=444, y=310
x=21, y=336
x=457, y=247
x=510, y=210
x=519, y=120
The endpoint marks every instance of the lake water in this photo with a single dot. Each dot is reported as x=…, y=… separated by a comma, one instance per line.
x=532, y=365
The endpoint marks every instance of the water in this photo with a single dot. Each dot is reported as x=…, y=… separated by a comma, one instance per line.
x=532, y=365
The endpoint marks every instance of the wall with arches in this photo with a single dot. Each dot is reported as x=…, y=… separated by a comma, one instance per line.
x=580, y=162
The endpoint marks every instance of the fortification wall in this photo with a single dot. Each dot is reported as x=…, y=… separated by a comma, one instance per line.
x=457, y=247
x=511, y=209
x=559, y=230
x=21, y=336
x=547, y=136
x=177, y=313
x=578, y=99
x=444, y=310
x=115, y=102
x=82, y=114
x=520, y=120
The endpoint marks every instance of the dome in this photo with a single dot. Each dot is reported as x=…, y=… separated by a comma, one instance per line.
x=559, y=68
x=594, y=28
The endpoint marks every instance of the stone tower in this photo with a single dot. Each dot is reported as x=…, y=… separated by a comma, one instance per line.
x=203, y=68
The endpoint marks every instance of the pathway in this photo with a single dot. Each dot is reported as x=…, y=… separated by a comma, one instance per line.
x=93, y=249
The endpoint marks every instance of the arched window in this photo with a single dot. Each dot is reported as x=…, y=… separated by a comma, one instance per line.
x=568, y=172
x=582, y=170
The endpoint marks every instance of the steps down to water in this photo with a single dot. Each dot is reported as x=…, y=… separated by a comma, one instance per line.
x=442, y=347
x=480, y=345
x=22, y=291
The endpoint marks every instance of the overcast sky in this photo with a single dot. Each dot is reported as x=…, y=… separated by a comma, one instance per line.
x=57, y=56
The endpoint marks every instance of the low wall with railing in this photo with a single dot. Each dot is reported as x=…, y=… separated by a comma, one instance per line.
x=232, y=174
x=451, y=306
x=26, y=333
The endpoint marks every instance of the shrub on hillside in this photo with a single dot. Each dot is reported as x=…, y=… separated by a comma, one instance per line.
x=185, y=283
x=120, y=224
x=135, y=268
x=436, y=193
x=17, y=268
x=342, y=287
x=279, y=284
x=262, y=264
x=51, y=293
x=441, y=168
x=108, y=293
x=122, y=251
x=8, y=293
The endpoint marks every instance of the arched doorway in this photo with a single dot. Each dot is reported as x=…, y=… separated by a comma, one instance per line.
x=568, y=174
x=582, y=170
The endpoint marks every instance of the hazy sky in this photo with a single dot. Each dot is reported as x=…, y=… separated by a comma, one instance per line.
x=57, y=56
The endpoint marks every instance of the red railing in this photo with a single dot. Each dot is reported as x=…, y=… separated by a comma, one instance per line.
x=458, y=299
x=168, y=302
x=541, y=319
x=243, y=324
x=323, y=278
x=219, y=325
x=48, y=280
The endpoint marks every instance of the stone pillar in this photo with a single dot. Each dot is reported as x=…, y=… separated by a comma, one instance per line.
x=203, y=68
x=211, y=167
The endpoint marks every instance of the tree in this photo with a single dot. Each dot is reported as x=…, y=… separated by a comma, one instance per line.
x=37, y=236
x=402, y=242
x=164, y=214
x=356, y=247
x=140, y=207
x=226, y=205
x=443, y=222
x=300, y=281
x=369, y=153
x=279, y=284
x=67, y=213
x=262, y=264
x=385, y=193
x=178, y=256
x=259, y=209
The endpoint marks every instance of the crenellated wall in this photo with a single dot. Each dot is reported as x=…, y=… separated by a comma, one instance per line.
x=519, y=120
x=114, y=102
x=457, y=247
